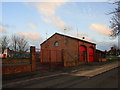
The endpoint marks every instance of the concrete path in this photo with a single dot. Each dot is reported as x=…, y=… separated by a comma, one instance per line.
x=97, y=71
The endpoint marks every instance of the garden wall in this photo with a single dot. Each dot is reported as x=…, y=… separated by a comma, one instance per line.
x=15, y=66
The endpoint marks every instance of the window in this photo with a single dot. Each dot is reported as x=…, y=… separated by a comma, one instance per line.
x=56, y=44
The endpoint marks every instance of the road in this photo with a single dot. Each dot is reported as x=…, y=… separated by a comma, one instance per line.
x=107, y=79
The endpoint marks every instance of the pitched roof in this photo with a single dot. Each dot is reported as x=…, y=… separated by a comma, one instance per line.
x=69, y=37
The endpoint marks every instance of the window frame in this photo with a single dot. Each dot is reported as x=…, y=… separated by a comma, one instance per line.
x=56, y=43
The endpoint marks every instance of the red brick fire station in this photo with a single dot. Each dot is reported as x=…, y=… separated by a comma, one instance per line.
x=68, y=50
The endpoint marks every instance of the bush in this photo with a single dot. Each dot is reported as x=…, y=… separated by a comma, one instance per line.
x=111, y=58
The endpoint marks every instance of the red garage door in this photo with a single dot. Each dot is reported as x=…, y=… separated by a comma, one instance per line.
x=83, y=53
x=91, y=54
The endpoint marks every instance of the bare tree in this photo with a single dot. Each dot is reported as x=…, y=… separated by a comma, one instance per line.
x=14, y=41
x=115, y=20
x=22, y=44
x=19, y=44
x=4, y=43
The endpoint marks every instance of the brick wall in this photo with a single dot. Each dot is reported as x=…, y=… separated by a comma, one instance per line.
x=14, y=67
x=15, y=61
x=49, y=48
x=65, y=44
x=70, y=52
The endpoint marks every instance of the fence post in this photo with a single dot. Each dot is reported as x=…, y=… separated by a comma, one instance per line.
x=33, y=58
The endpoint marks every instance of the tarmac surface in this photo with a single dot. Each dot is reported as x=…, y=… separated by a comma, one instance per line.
x=92, y=75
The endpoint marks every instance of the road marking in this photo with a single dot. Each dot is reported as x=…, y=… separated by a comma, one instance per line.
x=33, y=79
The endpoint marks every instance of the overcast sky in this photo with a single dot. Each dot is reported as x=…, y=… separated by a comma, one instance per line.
x=80, y=19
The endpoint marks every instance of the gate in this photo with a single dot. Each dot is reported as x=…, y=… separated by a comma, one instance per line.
x=50, y=58
x=37, y=55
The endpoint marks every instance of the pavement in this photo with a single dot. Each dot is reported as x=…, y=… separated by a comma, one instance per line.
x=97, y=71
x=89, y=70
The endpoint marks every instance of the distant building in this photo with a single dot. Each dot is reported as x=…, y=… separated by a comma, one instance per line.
x=100, y=55
x=5, y=53
x=74, y=51
x=113, y=51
